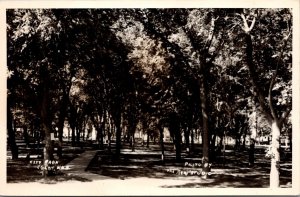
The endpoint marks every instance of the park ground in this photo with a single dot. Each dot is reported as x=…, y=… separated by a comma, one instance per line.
x=230, y=170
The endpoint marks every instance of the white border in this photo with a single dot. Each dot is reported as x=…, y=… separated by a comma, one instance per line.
x=138, y=187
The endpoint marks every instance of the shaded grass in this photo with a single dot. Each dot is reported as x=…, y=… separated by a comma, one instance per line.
x=231, y=171
x=21, y=170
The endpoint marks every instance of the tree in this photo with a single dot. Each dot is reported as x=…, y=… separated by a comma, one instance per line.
x=11, y=131
x=270, y=50
x=38, y=58
x=29, y=32
x=196, y=37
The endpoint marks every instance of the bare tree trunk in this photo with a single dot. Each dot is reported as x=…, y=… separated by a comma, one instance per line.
x=192, y=140
x=48, y=149
x=60, y=139
x=275, y=159
x=25, y=135
x=212, y=153
x=109, y=131
x=175, y=129
x=251, y=152
x=270, y=114
x=290, y=139
x=127, y=138
x=72, y=122
x=117, y=120
x=69, y=134
x=101, y=130
x=61, y=123
x=187, y=139
x=148, y=139
x=161, y=137
x=118, y=139
x=205, y=138
x=78, y=135
x=224, y=147
x=244, y=140
x=11, y=134
x=132, y=143
x=83, y=132
x=178, y=148
x=237, y=142
x=73, y=134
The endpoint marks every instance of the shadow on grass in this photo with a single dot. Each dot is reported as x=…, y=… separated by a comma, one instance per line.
x=231, y=171
x=130, y=166
x=19, y=171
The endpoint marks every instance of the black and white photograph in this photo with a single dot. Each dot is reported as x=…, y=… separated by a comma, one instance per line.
x=118, y=98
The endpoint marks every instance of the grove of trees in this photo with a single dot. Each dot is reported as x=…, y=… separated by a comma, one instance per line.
x=194, y=71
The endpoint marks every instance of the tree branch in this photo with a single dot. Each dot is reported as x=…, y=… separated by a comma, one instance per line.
x=246, y=27
x=251, y=66
x=252, y=24
x=211, y=34
x=272, y=83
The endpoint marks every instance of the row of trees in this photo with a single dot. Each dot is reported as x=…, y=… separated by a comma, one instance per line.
x=185, y=69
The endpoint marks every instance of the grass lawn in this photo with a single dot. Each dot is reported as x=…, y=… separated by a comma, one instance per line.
x=21, y=170
x=231, y=171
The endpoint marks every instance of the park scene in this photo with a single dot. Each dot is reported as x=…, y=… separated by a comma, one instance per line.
x=178, y=98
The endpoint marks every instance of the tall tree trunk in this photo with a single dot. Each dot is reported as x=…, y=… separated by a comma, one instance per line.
x=73, y=134
x=85, y=120
x=251, y=152
x=127, y=138
x=117, y=118
x=178, y=148
x=109, y=132
x=192, y=140
x=60, y=138
x=131, y=130
x=148, y=139
x=61, y=123
x=83, y=134
x=213, y=141
x=205, y=136
x=162, y=147
x=290, y=140
x=244, y=140
x=224, y=147
x=69, y=134
x=275, y=159
x=25, y=135
x=46, y=126
x=175, y=129
x=187, y=139
x=101, y=130
x=78, y=136
x=212, y=153
x=98, y=130
x=132, y=142
x=270, y=114
x=238, y=139
x=118, y=139
x=11, y=134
